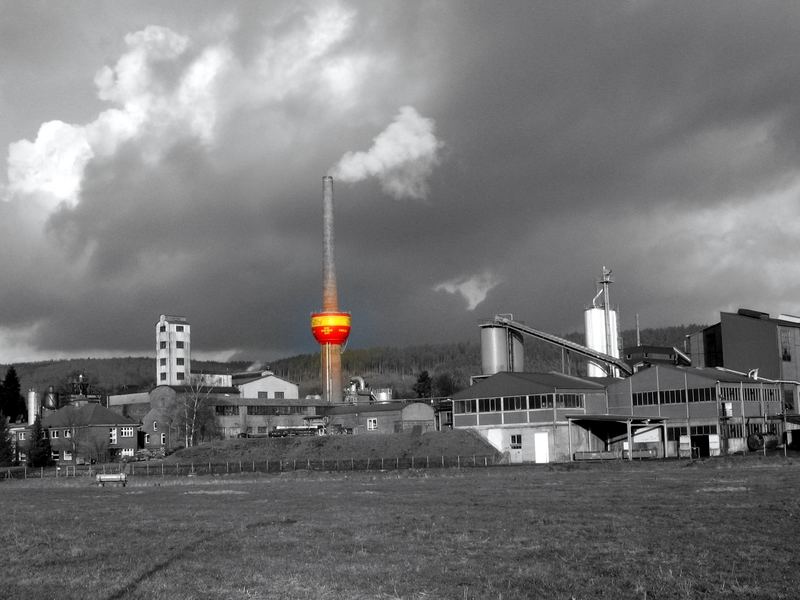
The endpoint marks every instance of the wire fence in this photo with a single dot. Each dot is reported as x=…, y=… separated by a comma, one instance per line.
x=177, y=469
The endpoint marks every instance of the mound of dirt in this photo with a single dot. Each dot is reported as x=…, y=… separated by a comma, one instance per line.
x=377, y=445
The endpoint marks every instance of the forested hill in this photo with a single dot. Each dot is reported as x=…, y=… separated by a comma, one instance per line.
x=449, y=366
x=399, y=368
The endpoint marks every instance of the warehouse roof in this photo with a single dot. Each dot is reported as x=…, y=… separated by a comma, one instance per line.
x=517, y=384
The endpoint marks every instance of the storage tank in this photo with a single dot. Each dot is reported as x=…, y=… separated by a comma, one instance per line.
x=596, y=339
x=501, y=349
x=33, y=406
x=51, y=399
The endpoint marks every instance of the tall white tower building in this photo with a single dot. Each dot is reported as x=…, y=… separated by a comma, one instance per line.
x=173, y=351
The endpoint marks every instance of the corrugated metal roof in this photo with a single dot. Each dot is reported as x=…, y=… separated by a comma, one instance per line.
x=519, y=384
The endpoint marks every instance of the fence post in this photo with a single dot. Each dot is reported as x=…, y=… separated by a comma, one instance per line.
x=352, y=464
x=412, y=462
x=458, y=461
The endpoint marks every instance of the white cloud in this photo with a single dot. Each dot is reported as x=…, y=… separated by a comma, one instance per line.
x=155, y=110
x=473, y=289
x=402, y=157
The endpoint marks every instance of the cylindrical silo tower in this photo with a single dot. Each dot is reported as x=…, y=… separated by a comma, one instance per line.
x=602, y=332
x=33, y=404
x=501, y=349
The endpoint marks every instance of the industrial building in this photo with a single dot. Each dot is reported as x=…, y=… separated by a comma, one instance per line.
x=750, y=340
x=741, y=395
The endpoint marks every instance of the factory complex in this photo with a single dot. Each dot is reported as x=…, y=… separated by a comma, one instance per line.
x=733, y=388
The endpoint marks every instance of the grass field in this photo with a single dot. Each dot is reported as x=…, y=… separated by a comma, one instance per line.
x=721, y=528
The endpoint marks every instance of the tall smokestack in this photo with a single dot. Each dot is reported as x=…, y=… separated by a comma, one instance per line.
x=330, y=299
x=330, y=327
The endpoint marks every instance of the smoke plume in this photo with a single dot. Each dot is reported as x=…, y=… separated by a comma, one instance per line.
x=402, y=157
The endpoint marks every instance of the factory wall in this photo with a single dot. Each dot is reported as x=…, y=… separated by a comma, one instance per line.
x=388, y=417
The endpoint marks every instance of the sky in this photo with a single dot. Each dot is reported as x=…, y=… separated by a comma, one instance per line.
x=167, y=158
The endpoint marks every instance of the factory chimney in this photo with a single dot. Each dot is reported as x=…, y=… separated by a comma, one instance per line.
x=330, y=326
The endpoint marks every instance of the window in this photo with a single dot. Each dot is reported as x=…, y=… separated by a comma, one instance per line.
x=226, y=410
x=21, y=436
x=162, y=345
x=67, y=433
x=155, y=425
x=112, y=435
x=54, y=454
x=163, y=328
x=179, y=344
x=146, y=438
x=262, y=429
x=163, y=377
x=162, y=362
x=255, y=409
x=127, y=452
x=372, y=424
x=163, y=439
x=279, y=395
x=178, y=327
x=489, y=405
x=515, y=403
x=180, y=375
x=263, y=395
x=67, y=455
x=464, y=406
x=54, y=434
x=126, y=431
x=516, y=441
x=179, y=362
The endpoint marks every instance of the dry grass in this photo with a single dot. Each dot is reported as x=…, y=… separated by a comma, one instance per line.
x=716, y=529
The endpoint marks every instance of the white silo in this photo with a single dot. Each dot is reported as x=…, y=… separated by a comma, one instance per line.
x=602, y=333
x=33, y=406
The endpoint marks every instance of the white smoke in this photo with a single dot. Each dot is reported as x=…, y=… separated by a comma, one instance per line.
x=473, y=289
x=402, y=157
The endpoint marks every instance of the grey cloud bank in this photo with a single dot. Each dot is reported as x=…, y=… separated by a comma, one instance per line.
x=489, y=158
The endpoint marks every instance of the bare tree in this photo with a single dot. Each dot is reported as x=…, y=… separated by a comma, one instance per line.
x=191, y=409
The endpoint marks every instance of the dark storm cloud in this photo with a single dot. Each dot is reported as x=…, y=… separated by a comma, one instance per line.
x=659, y=139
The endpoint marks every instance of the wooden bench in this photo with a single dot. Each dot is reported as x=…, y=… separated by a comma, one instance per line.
x=115, y=478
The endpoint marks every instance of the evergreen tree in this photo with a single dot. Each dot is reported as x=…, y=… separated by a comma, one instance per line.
x=12, y=404
x=6, y=449
x=423, y=386
x=39, y=453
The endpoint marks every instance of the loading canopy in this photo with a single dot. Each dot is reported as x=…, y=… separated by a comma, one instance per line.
x=615, y=428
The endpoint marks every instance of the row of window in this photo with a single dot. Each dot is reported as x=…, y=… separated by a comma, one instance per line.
x=515, y=403
x=749, y=394
x=674, y=433
x=680, y=396
x=163, y=345
x=163, y=439
x=180, y=376
x=178, y=361
x=227, y=410
x=54, y=434
x=163, y=328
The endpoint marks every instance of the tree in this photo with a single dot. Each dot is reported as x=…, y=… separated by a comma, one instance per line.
x=39, y=451
x=423, y=387
x=445, y=385
x=6, y=449
x=193, y=415
x=12, y=404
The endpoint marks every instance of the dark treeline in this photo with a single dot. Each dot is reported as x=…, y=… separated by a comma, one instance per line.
x=381, y=367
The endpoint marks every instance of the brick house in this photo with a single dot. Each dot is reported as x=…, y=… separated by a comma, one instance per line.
x=90, y=432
